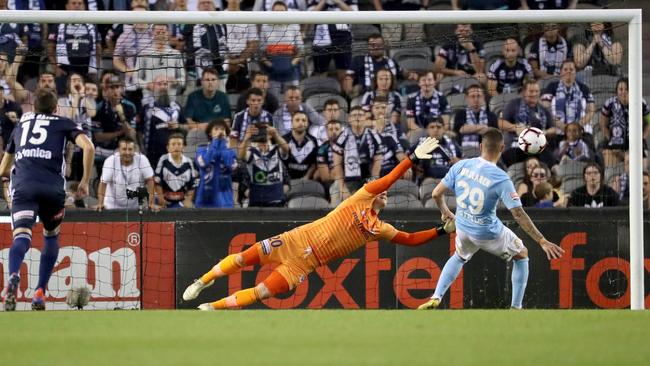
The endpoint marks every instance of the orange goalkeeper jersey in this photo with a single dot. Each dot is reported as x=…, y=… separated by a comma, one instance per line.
x=350, y=226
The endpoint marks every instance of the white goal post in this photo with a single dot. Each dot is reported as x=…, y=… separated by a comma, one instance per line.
x=632, y=17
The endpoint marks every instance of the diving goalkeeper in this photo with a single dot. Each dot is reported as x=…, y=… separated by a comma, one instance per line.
x=299, y=251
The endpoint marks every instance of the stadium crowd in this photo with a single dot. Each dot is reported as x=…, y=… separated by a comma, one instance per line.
x=220, y=115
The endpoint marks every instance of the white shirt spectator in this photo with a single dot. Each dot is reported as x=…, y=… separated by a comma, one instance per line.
x=118, y=178
x=237, y=36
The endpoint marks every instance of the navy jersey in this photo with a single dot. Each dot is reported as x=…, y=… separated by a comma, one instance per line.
x=38, y=144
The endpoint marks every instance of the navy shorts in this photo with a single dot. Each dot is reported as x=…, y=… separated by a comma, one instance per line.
x=322, y=56
x=46, y=202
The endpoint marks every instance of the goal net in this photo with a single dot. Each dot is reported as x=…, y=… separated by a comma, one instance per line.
x=307, y=113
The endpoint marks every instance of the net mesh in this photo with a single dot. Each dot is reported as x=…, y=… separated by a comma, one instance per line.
x=370, y=94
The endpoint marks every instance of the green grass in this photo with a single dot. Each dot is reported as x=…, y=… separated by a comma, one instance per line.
x=326, y=337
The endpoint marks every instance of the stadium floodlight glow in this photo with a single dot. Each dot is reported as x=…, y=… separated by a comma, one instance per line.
x=631, y=17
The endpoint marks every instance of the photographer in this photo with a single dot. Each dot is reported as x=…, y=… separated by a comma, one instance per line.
x=125, y=175
x=267, y=176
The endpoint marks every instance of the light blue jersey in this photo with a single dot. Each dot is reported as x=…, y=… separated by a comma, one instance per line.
x=478, y=185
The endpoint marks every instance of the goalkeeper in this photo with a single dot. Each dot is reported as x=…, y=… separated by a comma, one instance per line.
x=299, y=251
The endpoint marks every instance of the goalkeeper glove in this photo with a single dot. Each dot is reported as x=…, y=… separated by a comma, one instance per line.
x=423, y=150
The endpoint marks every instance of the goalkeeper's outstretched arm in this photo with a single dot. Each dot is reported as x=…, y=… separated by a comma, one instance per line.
x=421, y=237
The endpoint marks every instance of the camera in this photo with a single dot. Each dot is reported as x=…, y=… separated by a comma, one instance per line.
x=260, y=136
x=140, y=193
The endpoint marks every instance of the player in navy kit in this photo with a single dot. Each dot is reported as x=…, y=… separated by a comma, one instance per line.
x=36, y=151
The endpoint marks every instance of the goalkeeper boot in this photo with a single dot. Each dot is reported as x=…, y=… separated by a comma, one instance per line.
x=38, y=301
x=431, y=304
x=193, y=290
x=205, y=307
x=12, y=293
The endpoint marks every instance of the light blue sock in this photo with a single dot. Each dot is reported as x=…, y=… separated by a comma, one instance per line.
x=519, y=280
x=449, y=273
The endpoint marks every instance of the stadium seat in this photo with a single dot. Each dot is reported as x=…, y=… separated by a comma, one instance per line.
x=460, y=83
x=407, y=87
x=517, y=172
x=600, y=98
x=399, y=54
x=305, y=187
x=543, y=83
x=308, y=202
x=470, y=151
x=400, y=201
x=194, y=139
x=360, y=32
x=317, y=101
x=602, y=84
x=569, y=185
x=318, y=85
x=456, y=102
x=415, y=64
x=232, y=99
x=427, y=187
x=500, y=101
x=570, y=169
x=403, y=187
x=430, y=203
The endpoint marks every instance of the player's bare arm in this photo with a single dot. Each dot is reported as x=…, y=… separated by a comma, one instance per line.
x=88, y=159
x=552, y=250
x=438, y=196
x=5, y=165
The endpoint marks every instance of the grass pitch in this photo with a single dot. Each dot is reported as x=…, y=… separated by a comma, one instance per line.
x=326, y=337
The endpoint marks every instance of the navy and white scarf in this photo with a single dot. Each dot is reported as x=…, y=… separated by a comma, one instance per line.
x=551, y=58
x=528, y=115
x=569, y=104
x=369, y=69
x=470, y=119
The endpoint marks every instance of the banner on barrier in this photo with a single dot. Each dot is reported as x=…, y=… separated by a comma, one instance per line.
x=594, y=272
x=104, y=258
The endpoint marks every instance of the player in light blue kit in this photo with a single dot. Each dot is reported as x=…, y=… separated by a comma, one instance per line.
x=479, y=185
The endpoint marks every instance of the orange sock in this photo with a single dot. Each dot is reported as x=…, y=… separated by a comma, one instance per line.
x=225, y=267
x=238, y=299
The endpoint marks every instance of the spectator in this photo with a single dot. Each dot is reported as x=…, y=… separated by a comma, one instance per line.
x=12, y=35
x=570, y=100
x=208, y=103
x=362, y=71
x=122, y=171
x=252, y=115
x=548, y=4
x=259, y=80
x=11, y=89
x=392, y=150
x=268, y=179
x=506, y=75
x=614, y=123
x=325, y=156
x=161, y=118
x=357, y=154
x=129, y=46
x=549, y=52
x=385, y=85
x=216, y=163
x=331, y=112
x=300, y=161
x=115, y=118
x=544, y=193
x=208, y=41
x=175, y=175
x=464, y=57
x=242, y=41
x=332, y=41
x=620, y=183
x=426, y=104
x=160, y=60
x=574, y=147
x=283, y=117
x=104, y=81
x=394, y=33
x=282, y=50
x=526, y=111
x=75, y=48
x=602, y=54
x=594, y=193
x=293, y=5
x=525, y=185
x=10, y=114
x=646, y=190
x=470, y=124
x=45, y=81
x=91, y=89
x=444, y=157
x=479, y=5
x=539, y=175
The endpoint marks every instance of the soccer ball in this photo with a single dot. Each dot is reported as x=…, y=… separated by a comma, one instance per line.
x=532, y=140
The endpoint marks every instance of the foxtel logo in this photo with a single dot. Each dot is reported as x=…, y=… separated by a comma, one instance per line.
x=110, y=275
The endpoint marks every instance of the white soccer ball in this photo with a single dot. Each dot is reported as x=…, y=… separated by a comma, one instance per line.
x=532, y=140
